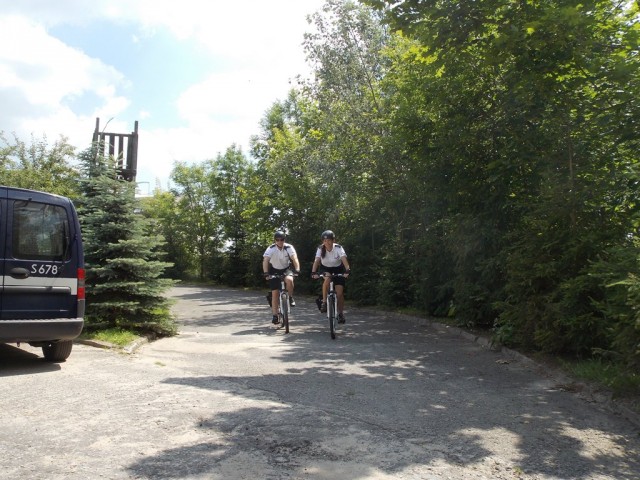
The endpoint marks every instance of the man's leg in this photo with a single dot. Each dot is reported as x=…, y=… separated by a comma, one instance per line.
x=275, y=301
x=274, y=306
x=288, y=280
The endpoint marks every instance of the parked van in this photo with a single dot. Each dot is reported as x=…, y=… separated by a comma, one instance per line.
x=42, y=298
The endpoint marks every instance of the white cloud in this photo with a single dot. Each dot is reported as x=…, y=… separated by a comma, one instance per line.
x=263, y=40
x=39, y=76
x=47, y=70
x=256, y=46
x=159, y=149
x=230, y=95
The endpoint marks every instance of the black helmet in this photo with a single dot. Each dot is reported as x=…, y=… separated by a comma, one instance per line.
x=279, y=235
x=328, y=234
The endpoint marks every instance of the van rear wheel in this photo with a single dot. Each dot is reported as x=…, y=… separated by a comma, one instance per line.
x=57, y=351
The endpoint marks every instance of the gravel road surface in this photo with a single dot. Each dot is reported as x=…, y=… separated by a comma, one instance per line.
x=231, y=397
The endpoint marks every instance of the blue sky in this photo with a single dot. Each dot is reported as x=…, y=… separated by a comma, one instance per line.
x=197, y=75
x=157, y=68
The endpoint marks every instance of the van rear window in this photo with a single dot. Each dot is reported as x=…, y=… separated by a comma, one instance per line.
x=40, y=231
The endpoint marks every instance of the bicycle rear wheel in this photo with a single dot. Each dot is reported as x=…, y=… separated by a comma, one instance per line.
x=333, y=317
x=284, y=306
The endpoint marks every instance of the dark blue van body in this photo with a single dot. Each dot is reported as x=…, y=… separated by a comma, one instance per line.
x=42, y=266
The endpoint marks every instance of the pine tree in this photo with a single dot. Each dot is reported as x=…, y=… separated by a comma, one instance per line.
x=123, y=270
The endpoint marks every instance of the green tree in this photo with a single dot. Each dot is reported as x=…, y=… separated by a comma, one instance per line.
x=39, y=166
x=163, y=208
x=619, y=270
x=198, y=219
x=230, y=182
x=353, y=169
x=124, y=276
x=284, y=193
x=528, y=112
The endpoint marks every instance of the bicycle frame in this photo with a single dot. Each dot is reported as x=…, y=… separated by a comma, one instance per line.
x=332, y=302
x=283, y=297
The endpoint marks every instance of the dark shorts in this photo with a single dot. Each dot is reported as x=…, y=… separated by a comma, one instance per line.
x=274, y=283
x=338, y=269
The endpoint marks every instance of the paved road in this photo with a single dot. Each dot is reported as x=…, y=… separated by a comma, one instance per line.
x=232, y=398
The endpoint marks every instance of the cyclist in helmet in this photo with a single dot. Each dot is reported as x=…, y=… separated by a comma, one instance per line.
x=331, y=257
x=280, y=257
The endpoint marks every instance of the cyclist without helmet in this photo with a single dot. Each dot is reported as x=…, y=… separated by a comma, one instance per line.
x=278, y=258
x=331, y=258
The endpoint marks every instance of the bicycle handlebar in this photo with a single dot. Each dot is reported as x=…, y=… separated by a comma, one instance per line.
x=328, y=274
x=269, y=276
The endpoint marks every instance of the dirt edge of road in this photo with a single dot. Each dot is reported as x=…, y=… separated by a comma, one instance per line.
x=626, y=408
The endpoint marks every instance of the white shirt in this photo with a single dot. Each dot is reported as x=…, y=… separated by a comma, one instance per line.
x=280, y=259
x=331, y=258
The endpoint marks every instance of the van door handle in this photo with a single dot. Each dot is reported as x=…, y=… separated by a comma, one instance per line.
x=19, y=273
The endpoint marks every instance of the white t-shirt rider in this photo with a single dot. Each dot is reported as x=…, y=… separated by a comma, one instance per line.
x=280, y=259
x=331, y=258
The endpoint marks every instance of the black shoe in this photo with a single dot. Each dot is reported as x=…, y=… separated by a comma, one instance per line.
x=323, y=307
x=341, y=318
x=274, y=320
x=292, y=302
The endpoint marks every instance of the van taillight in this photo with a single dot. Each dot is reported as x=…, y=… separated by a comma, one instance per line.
x=81, y=284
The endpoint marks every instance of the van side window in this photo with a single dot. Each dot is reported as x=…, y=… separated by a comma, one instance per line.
x=40, y=231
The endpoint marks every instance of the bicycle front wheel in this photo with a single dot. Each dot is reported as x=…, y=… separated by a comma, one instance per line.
x=332, y=314
x=284, y=306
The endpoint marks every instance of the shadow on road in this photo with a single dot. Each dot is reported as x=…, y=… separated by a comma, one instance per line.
x=427, y=397
x=15, y=361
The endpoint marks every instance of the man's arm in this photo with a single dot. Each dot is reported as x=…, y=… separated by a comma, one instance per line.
x=296, y=263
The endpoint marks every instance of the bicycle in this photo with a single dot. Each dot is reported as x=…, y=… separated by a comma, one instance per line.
x=332, y=302
x=284, y=307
